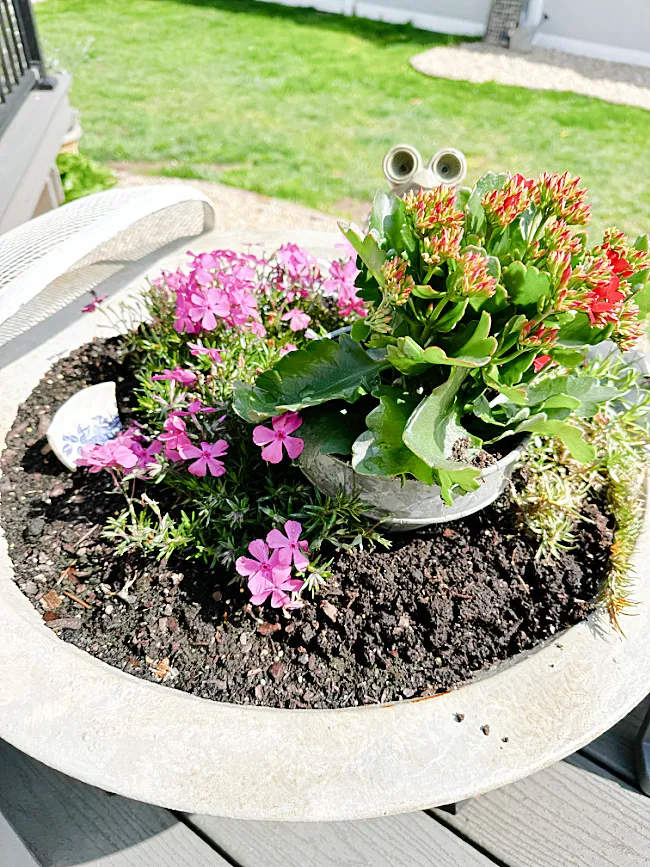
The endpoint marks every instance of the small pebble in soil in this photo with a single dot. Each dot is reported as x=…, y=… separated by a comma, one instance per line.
x=486, y=730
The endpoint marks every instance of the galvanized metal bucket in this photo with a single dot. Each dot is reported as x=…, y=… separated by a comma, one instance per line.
x=408, y=506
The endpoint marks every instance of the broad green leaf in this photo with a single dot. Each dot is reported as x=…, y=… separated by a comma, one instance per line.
x=325, y=370
x=480, y=345
x=434, y=428
x=368, y=249
x=382, y=207
x=642, y=300
x=476, y=219
x=426, y=292
x=409, y=358
x=360, y=331
x=578, y=332
x=571, y=436
x=525, y=285
x=512, y=372
x=642, y=243
x=389, y=221
x=465, y=480
x=591, y=395
x=330, y=429
x=380, y=451
x=567, y=357
x=491, y=378
x=462, y=197
x=497, y=302
x=452, y=316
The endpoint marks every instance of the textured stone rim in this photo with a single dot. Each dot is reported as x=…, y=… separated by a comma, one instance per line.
x=159, y=745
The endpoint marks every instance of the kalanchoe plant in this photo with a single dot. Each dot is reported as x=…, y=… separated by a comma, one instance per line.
x=481, y=307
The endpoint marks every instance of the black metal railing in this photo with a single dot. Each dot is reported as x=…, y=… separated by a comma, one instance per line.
x=21, y=62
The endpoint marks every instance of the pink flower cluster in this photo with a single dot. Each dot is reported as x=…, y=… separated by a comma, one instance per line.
x=219, y=286
x=127, y=452
x=278, y=437
x=342, y=274
x=179, y=447
x=269, y=573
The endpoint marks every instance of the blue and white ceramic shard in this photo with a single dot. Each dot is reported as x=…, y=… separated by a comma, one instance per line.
x=89, y=416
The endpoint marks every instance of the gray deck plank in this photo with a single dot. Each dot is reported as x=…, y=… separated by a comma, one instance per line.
x=572, y=813
x=68, y=823
x=615, y=748
x=13, y=851
x=413, y=839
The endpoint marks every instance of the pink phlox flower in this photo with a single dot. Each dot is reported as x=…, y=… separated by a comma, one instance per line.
x=349, y=304
x=206, y=458
x=279, y=437
x=341, y=284
x=207, y=305
x=93, y=304
x=182, y=321
x=290, y=542
x=243, y=306
x=297, y=319
x=194, y=407
x=114, y=454
x=268, y=574
x=296, y=260
x=287, y=348
x=146, y=454
x=204, y=260
x=174, y=437
x=182, y=377
x=213, y=354
x=258, y=329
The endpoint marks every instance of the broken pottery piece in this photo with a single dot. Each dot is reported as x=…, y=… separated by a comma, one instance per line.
x=89, y=416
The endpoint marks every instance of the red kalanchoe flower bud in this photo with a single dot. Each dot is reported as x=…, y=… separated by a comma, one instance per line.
x=445, y=244
x=471, y=276
x=559, y=236
x=433, y=209
x=504, y=205
x=561, y=196
x=533, y=334
x=399, y=284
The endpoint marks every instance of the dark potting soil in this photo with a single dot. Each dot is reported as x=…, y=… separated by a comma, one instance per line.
x=444, y=603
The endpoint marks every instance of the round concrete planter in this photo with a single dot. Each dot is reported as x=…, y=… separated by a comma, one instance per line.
x=410, y=505
x=159, y=745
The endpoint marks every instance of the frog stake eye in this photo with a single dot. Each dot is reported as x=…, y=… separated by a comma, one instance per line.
x=448, y=166
x=402, y=164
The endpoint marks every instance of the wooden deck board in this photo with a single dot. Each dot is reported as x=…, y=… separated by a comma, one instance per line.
x=68, y=823
x=408, y=840
x=572, y=813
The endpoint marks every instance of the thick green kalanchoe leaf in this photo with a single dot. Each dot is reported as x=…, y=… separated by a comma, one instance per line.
x=586, y=390
x=368, y=249
x=465, y=480
x=571, y=436
x=577, y=332
x=476, y=219
x=324, y=370
x=390, y=222
x=434, y=432
x=380, y=451
x=409, y=357
x=331, y=428
x=525, y=285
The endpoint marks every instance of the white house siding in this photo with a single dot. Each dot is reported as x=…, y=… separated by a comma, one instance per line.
x=617, y=30
x=462, y=17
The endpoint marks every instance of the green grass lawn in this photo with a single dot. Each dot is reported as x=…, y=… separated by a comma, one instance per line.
x=303, y=105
